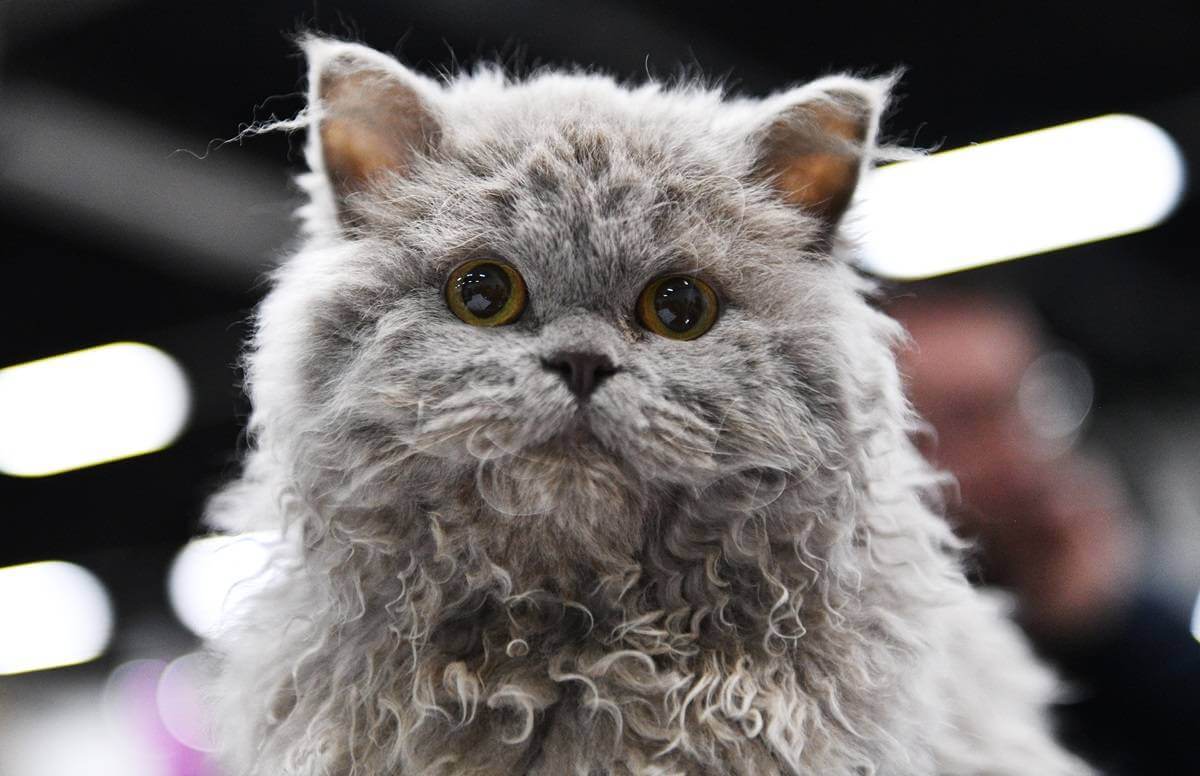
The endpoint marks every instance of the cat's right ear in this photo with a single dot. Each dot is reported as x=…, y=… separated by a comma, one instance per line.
x=369, y=117
x=812, y=143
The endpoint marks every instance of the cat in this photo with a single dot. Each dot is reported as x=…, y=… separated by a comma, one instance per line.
x=592, y=454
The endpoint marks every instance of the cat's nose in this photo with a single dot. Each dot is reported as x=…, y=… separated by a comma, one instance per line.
x=583, y=372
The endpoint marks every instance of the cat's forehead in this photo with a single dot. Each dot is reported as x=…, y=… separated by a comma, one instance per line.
x=576, y=171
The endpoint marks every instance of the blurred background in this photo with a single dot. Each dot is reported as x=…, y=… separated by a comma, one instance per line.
x=1062, y=388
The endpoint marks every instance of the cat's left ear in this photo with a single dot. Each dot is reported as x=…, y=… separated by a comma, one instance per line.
x=370, y=117
x=812, y=142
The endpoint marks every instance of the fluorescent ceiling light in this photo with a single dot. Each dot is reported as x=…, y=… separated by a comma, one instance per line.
x=63, y=730
x=1196, y=620
x=1018, y=196
x=210, y=577
x=51, y=614
x=88, y=407
x=221, y=217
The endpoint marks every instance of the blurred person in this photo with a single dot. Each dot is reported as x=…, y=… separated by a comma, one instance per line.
x=1053, y=525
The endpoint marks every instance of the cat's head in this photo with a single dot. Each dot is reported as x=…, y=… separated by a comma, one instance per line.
x=549, y=311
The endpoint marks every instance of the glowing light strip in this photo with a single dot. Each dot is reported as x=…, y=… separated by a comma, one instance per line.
x=1018, y=196
x=89, y=407
x=212, y=576
x=1196, y=620
x=52, y=614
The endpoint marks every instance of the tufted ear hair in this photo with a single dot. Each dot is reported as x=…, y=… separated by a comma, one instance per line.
x=369, y=117
x=812, y=142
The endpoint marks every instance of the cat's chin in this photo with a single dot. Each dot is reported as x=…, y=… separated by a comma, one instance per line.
x=557, y=510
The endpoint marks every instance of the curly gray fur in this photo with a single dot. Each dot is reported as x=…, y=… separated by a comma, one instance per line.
x=729, y=561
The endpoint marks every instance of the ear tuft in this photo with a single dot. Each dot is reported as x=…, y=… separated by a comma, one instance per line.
x=815, y=139
x=372, y=116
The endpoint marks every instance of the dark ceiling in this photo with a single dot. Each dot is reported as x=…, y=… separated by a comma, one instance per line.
x=113, y=233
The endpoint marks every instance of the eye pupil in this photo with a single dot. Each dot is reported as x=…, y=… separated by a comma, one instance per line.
x=680, y=307
x=679, y=304
x=484, y=290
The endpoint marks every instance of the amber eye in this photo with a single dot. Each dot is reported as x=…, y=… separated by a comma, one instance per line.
x=678, y=306
x=486, y=292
